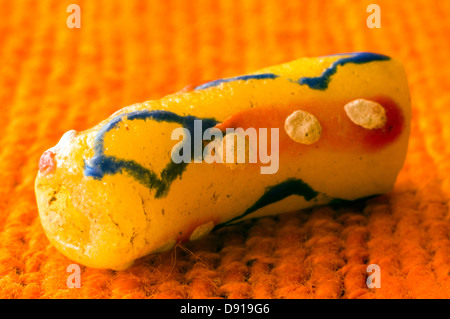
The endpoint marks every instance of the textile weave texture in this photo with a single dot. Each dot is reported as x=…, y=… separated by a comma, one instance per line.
x=53, y=79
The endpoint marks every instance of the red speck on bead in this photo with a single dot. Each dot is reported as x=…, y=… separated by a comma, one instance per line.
x=47, y=163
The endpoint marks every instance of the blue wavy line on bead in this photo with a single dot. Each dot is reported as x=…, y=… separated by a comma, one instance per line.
x=321, y=82
x=100, y=164
x=273, y=194
x=262, y=76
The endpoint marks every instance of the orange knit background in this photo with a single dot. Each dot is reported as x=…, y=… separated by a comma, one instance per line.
x=53, y=79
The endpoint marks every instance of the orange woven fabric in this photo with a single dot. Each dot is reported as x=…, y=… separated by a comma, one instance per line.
x=53, y=79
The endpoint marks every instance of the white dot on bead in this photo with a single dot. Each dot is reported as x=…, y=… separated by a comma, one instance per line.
x=303, y=127
x=368, y=114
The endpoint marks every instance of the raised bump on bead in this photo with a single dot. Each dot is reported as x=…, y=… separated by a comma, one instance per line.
x=303, y=127
x=368, y=114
